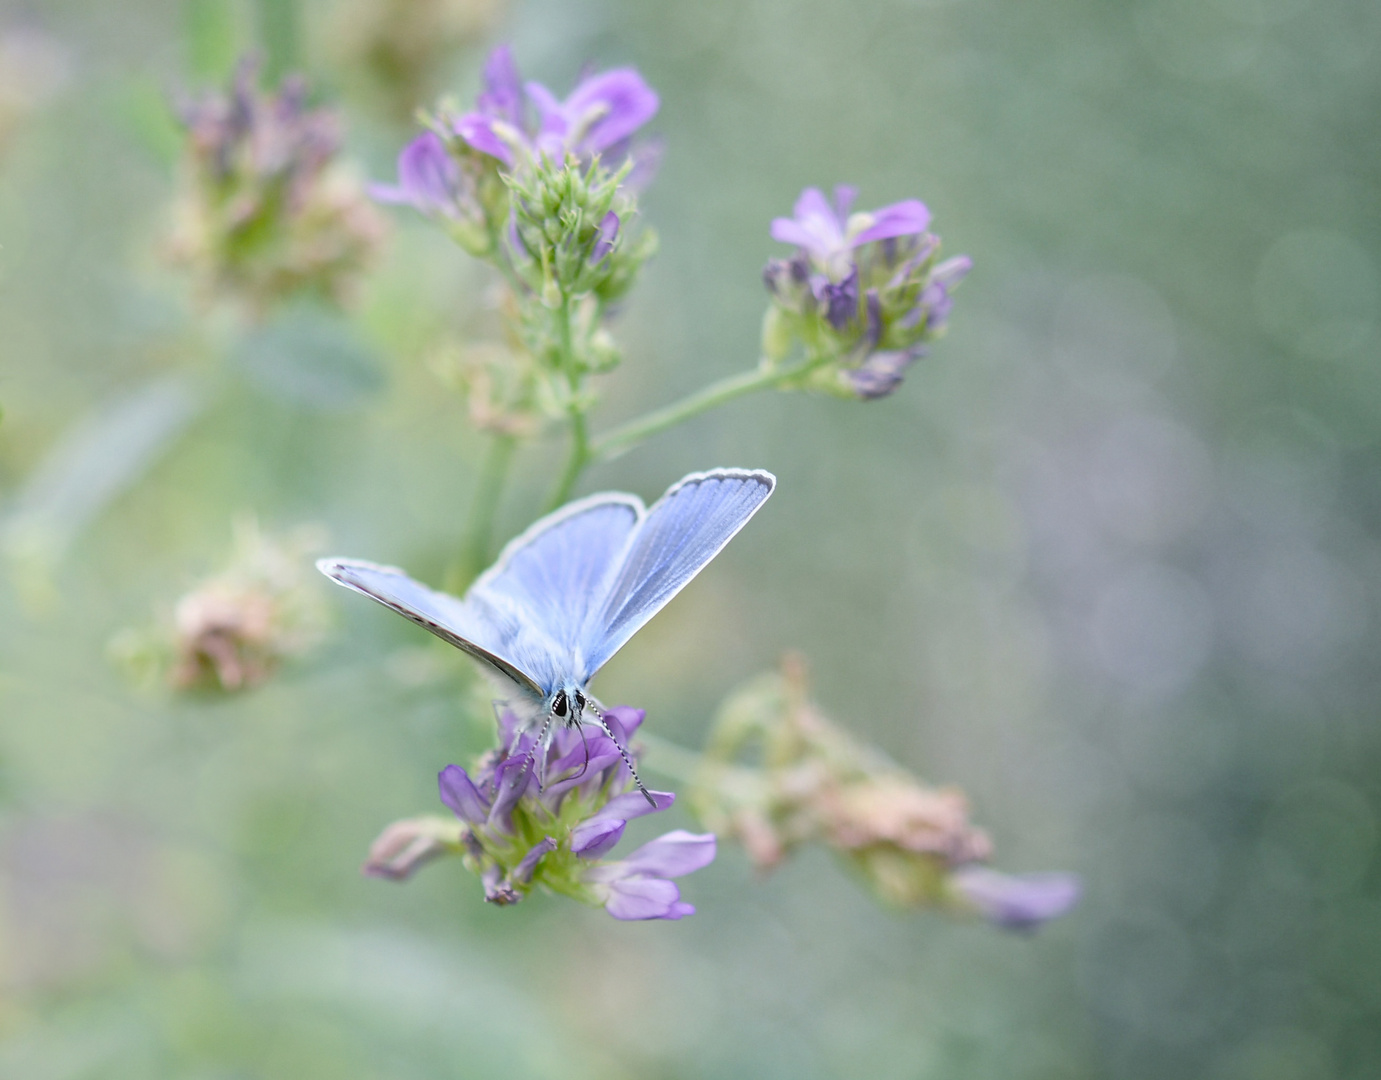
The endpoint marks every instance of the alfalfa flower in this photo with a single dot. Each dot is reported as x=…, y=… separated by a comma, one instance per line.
x=777, y=774
x=863, y=293
x=529, y=815
x=268, y=212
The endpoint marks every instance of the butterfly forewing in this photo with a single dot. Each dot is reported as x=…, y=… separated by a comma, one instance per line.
x=679, y=536
x=450, y=619
x=554, y=575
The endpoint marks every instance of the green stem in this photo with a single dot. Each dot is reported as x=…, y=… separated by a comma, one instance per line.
x=479, y=529
x=579, y=455
x=622, y=439
x=578, y=458
x=278, y=33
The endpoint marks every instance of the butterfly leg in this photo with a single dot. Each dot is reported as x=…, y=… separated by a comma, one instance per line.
x=531, y=759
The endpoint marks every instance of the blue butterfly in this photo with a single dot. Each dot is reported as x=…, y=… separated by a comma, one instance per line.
x=569, y=592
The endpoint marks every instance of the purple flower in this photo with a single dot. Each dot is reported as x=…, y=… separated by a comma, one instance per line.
x=638, y=887
x=935, y=297
x=598, y=118
x=829, y=233
x=428, y=178
x=861, y=294
x=881, y=372
x=573, y=798
x=1017, y=901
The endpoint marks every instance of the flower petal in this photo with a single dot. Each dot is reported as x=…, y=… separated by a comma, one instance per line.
x=461, y=795
x=625, y=720
x=595, y=836
x=1017, y=901
x=624, y=103
x=645, y=898
x=880, y=374
x=503, y=88
x=900, y=219
x=478, y=130
x=671, y=855
x=522, y=873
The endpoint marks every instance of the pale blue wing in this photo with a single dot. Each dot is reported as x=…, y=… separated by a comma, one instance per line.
x=486, y=632
x=676, y=539
x=553, y=577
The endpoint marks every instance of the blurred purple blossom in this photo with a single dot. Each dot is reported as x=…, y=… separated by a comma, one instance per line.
x=862, y=292
x=428, y=178
x=828, y=233
x=1017, y=901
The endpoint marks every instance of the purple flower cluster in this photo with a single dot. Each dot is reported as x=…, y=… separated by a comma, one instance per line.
x=517, y=124
x=548, y=815
x=268, y=210
x=863, y=287
x=599, y=117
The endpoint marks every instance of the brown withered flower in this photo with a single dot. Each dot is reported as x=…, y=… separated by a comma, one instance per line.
x=777, y=774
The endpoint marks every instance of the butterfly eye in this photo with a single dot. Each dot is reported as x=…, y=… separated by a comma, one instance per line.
x=579, y=701
x=558, y=707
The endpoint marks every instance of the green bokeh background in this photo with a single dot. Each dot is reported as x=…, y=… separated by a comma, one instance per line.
x=1109, y=561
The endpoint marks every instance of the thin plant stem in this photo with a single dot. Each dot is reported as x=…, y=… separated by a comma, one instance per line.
x=576, y=461
x=579, y=455
x=479, y=528
x=614, y=443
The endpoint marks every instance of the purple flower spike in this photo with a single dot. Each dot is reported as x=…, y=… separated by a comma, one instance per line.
x=1017, y=902
x=460, y=794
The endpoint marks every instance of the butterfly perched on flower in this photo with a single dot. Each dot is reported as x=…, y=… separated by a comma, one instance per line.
x=569, y=592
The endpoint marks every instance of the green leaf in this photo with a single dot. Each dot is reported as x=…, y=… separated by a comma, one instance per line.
x=310, y=358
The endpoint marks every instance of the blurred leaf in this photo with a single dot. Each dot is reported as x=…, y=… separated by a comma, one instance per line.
x=213, y=38
x=90, y=466
x=308, y=357
x=278, y=34
x=143, y=108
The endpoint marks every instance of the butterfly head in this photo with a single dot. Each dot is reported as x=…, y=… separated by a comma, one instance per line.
x=567, y=706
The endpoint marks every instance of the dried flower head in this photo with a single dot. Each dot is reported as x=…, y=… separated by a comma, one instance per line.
x=268, y=212
x=813, y=782
x=235, y=628
x=403, y=48
x=530, y=815
x=231, y=631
